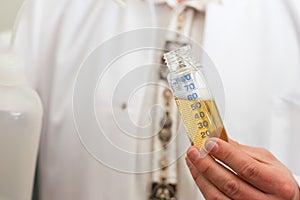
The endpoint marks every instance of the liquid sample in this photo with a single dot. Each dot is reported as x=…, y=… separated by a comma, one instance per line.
x=201, y=119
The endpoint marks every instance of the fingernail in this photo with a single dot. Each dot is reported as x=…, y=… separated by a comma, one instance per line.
x=202, y=153
x=193, y=154
x=211, y=146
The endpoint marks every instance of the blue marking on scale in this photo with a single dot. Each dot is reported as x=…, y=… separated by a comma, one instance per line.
x=175, y=83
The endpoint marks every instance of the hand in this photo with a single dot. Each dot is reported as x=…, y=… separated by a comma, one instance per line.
x=255, y=174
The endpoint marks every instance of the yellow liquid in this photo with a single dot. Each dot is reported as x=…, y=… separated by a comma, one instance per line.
x=201, y=120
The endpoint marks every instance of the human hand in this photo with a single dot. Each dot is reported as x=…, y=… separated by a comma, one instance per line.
x=256, y=174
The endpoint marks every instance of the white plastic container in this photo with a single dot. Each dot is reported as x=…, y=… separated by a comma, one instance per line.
x=20, y=126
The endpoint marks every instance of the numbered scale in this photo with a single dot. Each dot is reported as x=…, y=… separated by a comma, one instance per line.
x=195, y=103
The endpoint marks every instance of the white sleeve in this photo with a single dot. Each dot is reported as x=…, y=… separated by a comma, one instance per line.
x=36, y=39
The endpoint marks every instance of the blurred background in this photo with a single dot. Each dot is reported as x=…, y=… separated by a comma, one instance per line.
x=8, y=11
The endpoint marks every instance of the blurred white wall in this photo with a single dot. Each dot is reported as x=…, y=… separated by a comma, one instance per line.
x=8, y=11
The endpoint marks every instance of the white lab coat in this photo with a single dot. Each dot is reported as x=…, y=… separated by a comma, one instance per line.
x=254, y=44
x=4, y=40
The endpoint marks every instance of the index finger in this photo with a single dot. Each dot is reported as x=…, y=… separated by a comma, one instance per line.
x=247, y=168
